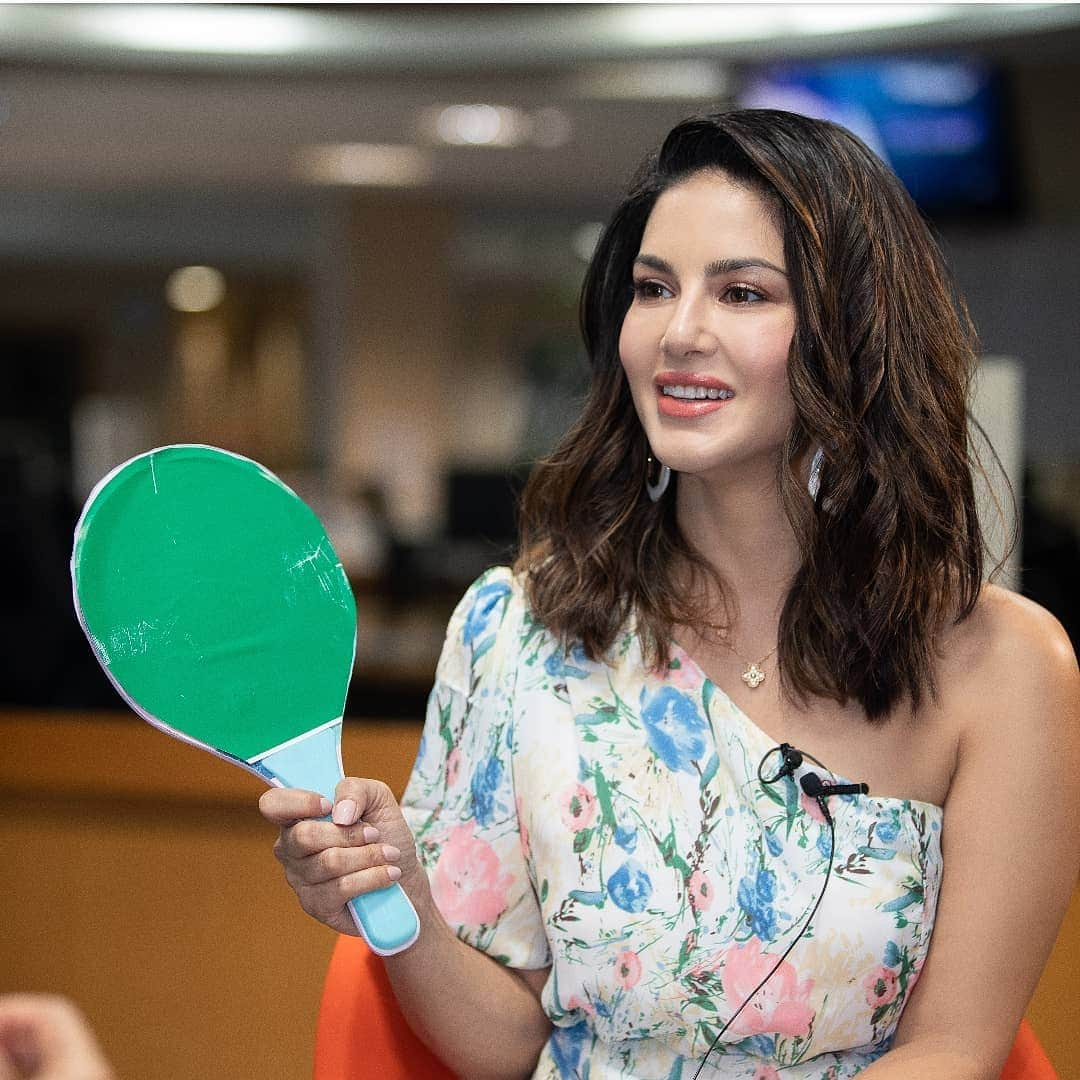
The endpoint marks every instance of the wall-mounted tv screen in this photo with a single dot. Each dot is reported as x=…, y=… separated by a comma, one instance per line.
x=938, y=121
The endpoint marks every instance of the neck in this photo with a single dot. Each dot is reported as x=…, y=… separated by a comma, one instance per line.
x=743, y=532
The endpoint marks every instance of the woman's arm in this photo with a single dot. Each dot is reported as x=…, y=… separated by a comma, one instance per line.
x=1010, y=840
x=481, y=1018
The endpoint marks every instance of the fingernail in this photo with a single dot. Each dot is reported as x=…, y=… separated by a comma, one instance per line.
x=325, y=806
x=393, y=872
x=371, y=834
x=345, y=812
x=390, y=853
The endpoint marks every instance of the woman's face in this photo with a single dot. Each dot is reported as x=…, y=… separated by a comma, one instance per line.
x=705, y=342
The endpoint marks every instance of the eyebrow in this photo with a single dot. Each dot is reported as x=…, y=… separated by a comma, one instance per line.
x=714, y=269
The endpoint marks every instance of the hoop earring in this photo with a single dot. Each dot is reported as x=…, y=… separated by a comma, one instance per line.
x=813, y=482
x=657, y=487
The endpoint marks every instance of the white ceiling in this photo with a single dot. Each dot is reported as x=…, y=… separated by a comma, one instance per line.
x=82, y=108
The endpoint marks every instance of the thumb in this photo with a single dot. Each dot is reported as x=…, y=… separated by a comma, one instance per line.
x=358, y=799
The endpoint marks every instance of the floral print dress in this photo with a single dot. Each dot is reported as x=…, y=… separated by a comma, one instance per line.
x=608, y=821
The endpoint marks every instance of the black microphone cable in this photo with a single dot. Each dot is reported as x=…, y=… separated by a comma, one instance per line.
x=813, y=786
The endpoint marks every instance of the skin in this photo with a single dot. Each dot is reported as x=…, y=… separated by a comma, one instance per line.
x=439, y=979
x=43, y=1037
x=999, y=747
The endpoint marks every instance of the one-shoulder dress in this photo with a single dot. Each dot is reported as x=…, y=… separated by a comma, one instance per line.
x=608, y=821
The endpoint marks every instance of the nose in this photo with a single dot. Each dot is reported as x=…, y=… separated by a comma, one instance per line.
x=689, y=331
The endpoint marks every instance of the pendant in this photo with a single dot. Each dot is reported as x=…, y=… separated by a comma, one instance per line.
x=753, y=676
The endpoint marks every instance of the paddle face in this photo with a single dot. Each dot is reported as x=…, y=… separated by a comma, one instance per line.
x=214, y=600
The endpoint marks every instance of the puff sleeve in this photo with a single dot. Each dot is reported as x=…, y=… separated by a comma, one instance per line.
x=460, y=801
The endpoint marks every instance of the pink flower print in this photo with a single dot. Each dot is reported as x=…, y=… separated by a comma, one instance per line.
x=881, y=986
x=578, y=807
x=812, y=807
x=523, y=829
x=685, y=674
x=453, y=767
x=700, y=889
x=467, y=884
x=782, y=1005
x=766, y=1072
x=628, y=968
x=574, y=1002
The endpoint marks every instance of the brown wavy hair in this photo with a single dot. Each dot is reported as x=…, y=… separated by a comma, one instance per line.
x=880, y=365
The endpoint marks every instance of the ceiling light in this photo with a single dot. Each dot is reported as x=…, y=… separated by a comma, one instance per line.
x=375, y=164
x=482, y=125
x=696, y=24
x=195, y=288
x=496, y=125
x=196, y=28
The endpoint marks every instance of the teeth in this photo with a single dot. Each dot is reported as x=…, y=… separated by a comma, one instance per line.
x=697, y=392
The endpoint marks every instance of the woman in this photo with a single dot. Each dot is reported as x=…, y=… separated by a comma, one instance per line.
x=762, y=532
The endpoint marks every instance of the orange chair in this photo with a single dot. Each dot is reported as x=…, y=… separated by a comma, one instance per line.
x=1027, y=1060
x=362, y=1034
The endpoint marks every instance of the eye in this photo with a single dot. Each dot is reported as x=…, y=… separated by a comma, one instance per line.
x=743, y=295
x=646, y=289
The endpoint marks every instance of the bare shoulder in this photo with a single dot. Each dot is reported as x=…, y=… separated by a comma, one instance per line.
x=1008, y=637
x=1011, y=662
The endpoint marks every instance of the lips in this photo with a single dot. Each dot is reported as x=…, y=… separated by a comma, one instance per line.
x=687, y=394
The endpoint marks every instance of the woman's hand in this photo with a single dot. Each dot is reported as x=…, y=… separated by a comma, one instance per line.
x=366, y=847
x=43, y=1037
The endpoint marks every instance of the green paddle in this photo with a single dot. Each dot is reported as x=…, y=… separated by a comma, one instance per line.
x=213, y=599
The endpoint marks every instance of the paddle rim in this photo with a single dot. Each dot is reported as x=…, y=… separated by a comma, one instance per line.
x=251, y=764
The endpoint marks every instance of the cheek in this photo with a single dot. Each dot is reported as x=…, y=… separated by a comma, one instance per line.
x=633, y=354
x=769, y=355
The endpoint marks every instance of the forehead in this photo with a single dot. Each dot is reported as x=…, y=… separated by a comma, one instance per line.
x=712, y=215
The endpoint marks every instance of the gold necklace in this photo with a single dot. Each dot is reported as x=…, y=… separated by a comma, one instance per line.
x=753, y=675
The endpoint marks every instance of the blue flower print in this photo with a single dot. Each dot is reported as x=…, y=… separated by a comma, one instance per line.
x=487, y=599
x=567, y=1045
x=892, y=955
x=558, y=665
x=485, y=785
x=773, y=842
x=630, y=887
x=824, y=843
x=675, y=729
x=887, y=830
x=756, y=895
x=626, y=837
x=764, y=1046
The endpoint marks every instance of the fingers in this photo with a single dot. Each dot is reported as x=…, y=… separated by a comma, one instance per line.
x=286, y=806
x=309, y=837
x=371, y=800
x=327, y=880
x=358, y=850
x=327, y=901
x=333, y=863
x=46, y=1037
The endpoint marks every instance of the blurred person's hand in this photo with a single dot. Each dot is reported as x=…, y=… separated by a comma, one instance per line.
x=44, y=1037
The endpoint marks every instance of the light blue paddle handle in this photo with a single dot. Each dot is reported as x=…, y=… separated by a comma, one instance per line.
x=312, y=762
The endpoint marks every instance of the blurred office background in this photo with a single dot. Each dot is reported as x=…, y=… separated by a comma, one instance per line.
x=347, y=240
